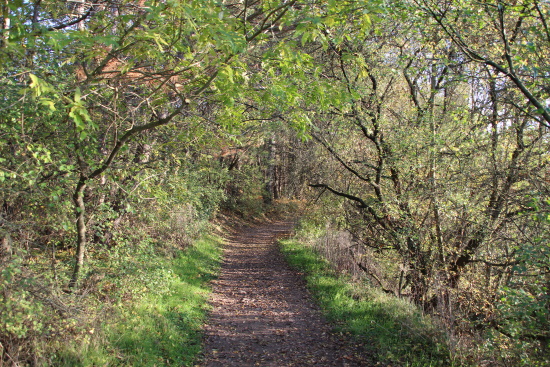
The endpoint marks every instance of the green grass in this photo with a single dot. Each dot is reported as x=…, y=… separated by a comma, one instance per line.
x=160, y=328
x=391, y=328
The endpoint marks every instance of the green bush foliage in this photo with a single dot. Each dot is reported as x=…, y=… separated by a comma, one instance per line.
x=148, y=257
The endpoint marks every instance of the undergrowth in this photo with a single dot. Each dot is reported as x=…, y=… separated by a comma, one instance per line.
x=391, y=328
x=160, y=324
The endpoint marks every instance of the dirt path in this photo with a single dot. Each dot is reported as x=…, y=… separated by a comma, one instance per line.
x=262, y=313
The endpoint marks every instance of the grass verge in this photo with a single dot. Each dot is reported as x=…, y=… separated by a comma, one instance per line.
x=160, y=327
x=391, y=328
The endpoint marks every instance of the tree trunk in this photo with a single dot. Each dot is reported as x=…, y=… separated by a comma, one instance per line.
x=5, y=23
x=270, y=179
x=80, y=211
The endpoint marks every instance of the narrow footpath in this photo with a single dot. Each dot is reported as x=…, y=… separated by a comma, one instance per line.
x=263, y=314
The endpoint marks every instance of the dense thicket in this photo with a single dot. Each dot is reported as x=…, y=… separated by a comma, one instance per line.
x=441, y=150
x=130, y=122
x=115, y=116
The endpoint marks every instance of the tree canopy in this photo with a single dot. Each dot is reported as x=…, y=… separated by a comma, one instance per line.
x=424, y=121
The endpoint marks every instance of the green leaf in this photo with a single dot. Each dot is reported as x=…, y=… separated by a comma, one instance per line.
x=77, y=95
x=48, y=103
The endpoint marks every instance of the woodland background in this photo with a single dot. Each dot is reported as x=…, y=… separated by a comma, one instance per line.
x=412, y=134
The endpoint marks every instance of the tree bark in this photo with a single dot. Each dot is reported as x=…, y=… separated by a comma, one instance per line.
x=270, y=174
x=5, y=23
x=80, y=211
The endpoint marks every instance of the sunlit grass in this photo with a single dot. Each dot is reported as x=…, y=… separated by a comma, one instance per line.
x=157, y=328
x=391, y=328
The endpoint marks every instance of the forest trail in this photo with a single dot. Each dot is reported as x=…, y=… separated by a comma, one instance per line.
x=263, y=314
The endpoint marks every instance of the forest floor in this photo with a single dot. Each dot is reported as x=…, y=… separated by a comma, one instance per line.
x=263, y=315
